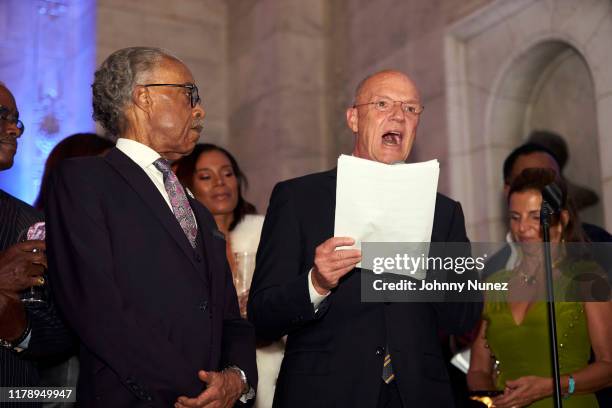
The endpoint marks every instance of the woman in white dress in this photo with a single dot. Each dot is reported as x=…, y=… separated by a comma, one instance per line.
x=213, y=176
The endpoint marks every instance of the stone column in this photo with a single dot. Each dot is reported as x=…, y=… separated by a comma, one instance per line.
x=193, y=30
x=277, y=91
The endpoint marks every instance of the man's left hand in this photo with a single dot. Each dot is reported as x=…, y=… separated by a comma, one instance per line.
x=222, y=390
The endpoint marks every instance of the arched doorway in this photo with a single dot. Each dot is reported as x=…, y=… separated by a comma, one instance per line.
x=517, y=66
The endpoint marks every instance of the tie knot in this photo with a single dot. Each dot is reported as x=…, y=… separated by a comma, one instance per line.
x=162, y=165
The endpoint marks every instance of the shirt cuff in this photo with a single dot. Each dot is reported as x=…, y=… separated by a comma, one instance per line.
x=26, y=342
x=315, y=297
x=250, y=394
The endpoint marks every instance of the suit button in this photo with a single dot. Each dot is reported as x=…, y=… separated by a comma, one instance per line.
x=203, y=306
x=380, y=351
x=198, y=258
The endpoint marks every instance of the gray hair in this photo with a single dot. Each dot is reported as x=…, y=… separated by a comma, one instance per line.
x=114, y=83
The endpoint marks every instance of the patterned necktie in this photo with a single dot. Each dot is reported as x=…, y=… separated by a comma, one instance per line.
x=387, y=373
x=178, y=200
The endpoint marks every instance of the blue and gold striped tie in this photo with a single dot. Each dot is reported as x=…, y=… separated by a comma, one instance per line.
x=387, y=374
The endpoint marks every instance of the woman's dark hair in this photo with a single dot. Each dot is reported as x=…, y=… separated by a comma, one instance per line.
x=537, y=179
x=524, y=150
x=77, y=145
x=186, y=167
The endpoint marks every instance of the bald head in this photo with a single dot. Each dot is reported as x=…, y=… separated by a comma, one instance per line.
x=384, y=117
x=363, y=88
x=6, y=94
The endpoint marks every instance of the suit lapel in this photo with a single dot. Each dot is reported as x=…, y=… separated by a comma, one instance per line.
x=206, y=231
x=142, y=184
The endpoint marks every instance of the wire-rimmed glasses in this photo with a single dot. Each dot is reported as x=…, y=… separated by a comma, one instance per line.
x=383, y=104
x=7, y=117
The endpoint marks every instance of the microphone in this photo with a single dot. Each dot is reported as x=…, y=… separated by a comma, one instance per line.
x=551, y=204
x=552, y=195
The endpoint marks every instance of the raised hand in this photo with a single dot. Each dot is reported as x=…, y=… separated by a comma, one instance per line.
x=331, y=264
x=22, y=266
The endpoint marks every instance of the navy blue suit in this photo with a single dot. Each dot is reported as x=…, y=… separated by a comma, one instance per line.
x=334, y=357
x=149, y=310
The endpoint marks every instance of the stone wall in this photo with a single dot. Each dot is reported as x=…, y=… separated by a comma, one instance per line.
x=277, y=76
x=501, y=62
x=193, y=30
x=293, y=68
x=278, y=88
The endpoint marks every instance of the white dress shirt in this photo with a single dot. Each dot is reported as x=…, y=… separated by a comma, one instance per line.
x=144, y=157
x=315, y=297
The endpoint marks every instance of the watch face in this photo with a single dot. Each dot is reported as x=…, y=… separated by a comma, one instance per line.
x=242, y=376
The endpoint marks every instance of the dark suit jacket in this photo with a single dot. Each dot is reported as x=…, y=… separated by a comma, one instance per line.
x=150, y=311
x=49, y=335
x=334, y=358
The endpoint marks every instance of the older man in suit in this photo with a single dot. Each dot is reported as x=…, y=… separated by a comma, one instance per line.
x=342, y=352
x=27, y=331
x=138, y=265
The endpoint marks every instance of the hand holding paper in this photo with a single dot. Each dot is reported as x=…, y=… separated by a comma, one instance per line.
x=330, y=264
x=377, y=202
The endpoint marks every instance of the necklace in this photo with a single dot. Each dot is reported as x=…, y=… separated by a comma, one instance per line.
x=531, y=279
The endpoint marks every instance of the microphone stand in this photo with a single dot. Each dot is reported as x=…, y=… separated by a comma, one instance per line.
x=545, y=213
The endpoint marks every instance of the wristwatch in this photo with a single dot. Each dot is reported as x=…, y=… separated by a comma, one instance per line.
x=241, y=373
x=250, y=392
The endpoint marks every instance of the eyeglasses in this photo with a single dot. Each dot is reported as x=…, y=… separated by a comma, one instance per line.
x=7, y=117
x=194, y=97
x=386, y=104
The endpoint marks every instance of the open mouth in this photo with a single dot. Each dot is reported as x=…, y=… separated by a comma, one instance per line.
x=392, y=138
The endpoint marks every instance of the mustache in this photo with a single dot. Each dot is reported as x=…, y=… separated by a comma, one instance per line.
x=7, y=139
x=198, y=124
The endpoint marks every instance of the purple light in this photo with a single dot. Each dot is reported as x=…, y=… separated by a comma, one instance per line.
x=47, y=59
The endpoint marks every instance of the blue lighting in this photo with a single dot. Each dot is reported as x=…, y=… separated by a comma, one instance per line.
x=47, y=60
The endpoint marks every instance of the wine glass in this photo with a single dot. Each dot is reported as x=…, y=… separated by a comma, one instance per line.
x=36, y=293
x=245, y=266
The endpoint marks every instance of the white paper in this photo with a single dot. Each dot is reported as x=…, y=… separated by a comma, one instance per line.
x=377, y=202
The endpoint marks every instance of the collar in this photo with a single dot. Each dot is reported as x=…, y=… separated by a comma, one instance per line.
x=140, y=153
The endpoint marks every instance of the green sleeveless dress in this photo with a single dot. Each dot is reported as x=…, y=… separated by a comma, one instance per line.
x=523, y=350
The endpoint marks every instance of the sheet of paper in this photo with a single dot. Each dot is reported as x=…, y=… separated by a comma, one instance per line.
x=377, y=202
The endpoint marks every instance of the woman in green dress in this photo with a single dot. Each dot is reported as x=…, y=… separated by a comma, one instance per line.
x=511, y=353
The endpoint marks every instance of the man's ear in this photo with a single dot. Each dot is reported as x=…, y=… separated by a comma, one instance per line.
x=352, y=119
x=142, y=98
